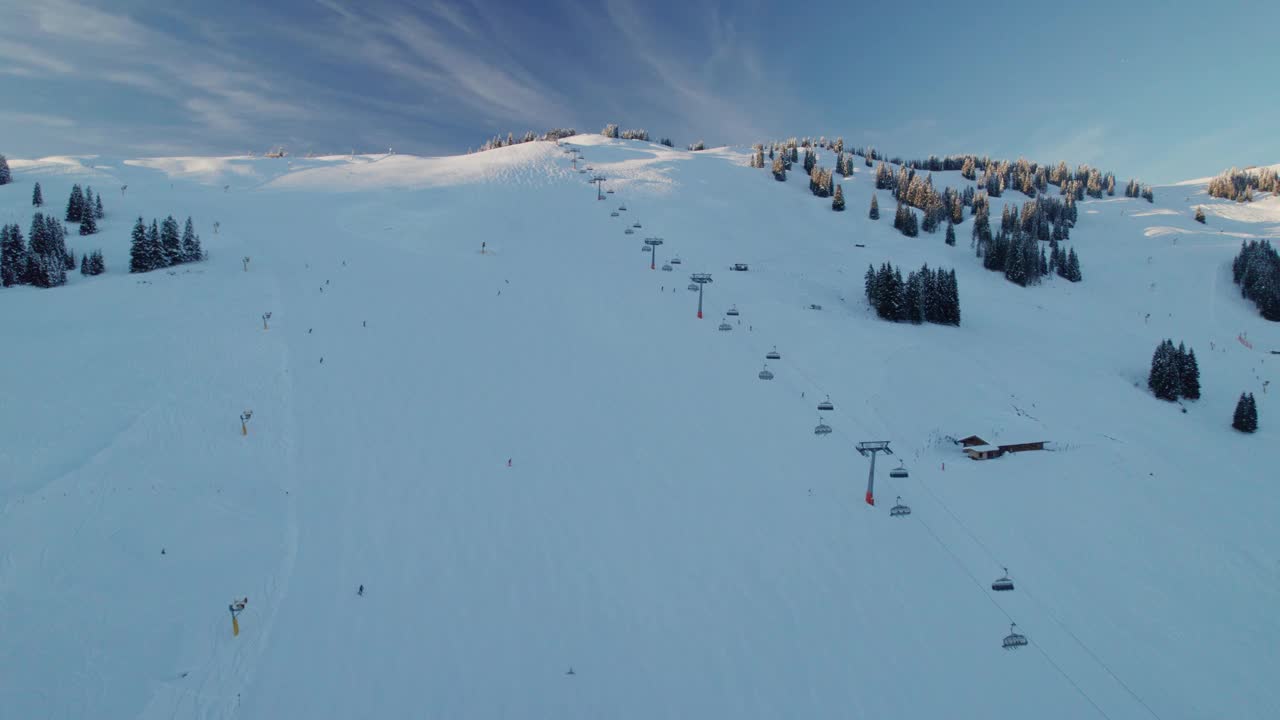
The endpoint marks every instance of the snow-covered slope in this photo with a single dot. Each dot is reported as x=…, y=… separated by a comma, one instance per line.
x=668, y=525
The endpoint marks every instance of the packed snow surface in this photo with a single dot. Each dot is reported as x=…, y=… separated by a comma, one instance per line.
x=536, y=458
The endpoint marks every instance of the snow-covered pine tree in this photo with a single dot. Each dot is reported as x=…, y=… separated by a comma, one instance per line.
x=1188, y=373
x=139, y=256
x=779, y=168
x=1073, y=266
x=1245, y=418
x=88, y=225
x=191, y=250
x=84, y=265
x=13, y=256
x=97, y=265
x=6, y=176
x=913, y=310
x=875, y=208
x=69, y=261
x=37, y=196
x=1163, y=380
x=1200, y=215
x=171, y=241
x=910, y=226
x=951, y=234
x=837, y=200
x=155, y=247
x=98, y=212
x=75, y=204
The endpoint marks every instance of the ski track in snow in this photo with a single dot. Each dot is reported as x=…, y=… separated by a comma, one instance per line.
x=670, y=527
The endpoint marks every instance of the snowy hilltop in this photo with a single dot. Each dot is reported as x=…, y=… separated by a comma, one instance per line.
x=389, y=436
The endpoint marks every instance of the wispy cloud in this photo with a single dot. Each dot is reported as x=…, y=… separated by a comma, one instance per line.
x=27, y=55
x=36, y=119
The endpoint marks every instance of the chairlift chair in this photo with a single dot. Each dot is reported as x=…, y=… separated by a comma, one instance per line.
x=693, y=287
x=826, y=405
x=773, y=354
x=608, y=192
x=613, y=214
x=725, y=327
x=636, y=225
x=675, y=261
x=623, y=208
x=899, y=510
x=666, y=268
x=733, y=311
x=822, y=428
x=766, y=374
x=644, y=248
x=1004, y=583
x=1014, y=639
x=898, y=472
x=629, y=231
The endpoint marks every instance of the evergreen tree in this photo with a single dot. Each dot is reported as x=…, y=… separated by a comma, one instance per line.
x=84, y=265
x=1246, y=415
x=87, y=208
x=1188, y=373
x=912, y=307
x=13, y=256
x=98, y=213
x=37, y=197
x=5, y=176
x=69, y=261
x=1200, y=215
x=951, y=234
x=875, y=208
x=75, y=204
x=139, y=256
x=88, y=225
x=1164, y=379
x=96, y=264
x=779, y=168
x=837, y=200
x=171, y=241
x=1073, y=266
x=155, y=248
x=191, y=251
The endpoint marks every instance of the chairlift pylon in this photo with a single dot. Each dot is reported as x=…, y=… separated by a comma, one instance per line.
x=899, y=510
x=1014, y=639
x=899, y=472
x=1003, y=583
x=822, y=428
x=826, y=405
x=766, y=374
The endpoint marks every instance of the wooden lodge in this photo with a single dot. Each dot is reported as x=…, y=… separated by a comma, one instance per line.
x=978, y=449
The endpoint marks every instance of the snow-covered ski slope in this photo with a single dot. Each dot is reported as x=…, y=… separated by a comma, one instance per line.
x=669, y=526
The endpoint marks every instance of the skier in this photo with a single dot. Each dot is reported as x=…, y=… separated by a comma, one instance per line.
x=364, y=323
x=508, y=462
x=360, y=592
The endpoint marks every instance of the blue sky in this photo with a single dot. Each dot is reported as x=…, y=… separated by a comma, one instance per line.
x=1163, y=91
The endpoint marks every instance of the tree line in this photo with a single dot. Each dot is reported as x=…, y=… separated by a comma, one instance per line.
x=43, y=262
x=1239, y=185
x=1256, y=269
x=925, y=295
x=160, y=246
